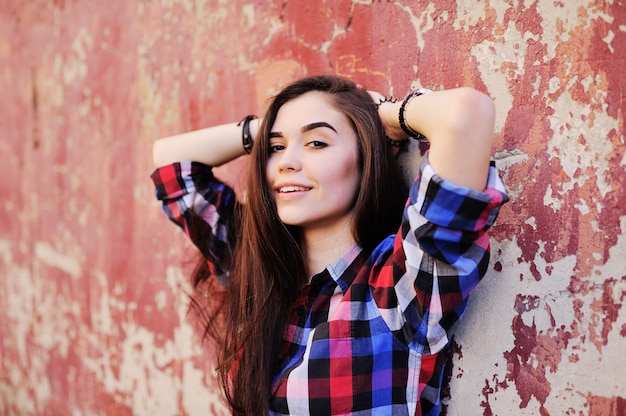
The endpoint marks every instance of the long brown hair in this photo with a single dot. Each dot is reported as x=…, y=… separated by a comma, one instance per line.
x=268, y=268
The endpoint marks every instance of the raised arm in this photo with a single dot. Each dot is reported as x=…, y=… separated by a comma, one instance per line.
x=459, y=124
x=212, y=146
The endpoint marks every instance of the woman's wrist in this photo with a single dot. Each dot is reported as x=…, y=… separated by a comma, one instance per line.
x=246, y=134
x=388, y=113
x=409, y=130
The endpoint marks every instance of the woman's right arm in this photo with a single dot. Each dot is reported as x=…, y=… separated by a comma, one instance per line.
x=212, y=146
x=192, y=197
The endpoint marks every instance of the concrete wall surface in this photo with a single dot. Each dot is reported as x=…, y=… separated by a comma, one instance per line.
x=93, y=280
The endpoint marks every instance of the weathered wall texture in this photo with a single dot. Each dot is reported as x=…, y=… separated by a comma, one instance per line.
x=92, y=279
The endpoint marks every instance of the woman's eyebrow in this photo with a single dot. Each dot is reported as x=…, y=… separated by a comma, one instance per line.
x=316, y=125
x=306, y=128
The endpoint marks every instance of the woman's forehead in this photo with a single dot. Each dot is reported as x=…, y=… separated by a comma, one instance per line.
x=311, y=107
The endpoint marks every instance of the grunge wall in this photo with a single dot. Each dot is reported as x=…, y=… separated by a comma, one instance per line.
x=93, y=280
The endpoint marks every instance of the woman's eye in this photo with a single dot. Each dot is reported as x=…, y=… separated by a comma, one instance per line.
x=276, y=148
x=316, y=144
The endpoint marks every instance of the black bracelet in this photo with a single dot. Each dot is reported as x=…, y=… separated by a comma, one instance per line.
x=246, y=137
x=385, y=99
x=401, y=116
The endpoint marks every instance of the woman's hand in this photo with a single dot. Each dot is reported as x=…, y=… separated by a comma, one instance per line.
x=459, y=124
x=388, y=113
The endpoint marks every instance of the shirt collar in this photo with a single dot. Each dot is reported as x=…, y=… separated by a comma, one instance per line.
x=337, y=269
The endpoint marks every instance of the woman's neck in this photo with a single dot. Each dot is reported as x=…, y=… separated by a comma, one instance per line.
x=325, y=245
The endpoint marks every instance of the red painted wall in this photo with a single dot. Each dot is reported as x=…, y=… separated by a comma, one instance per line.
x=93, y=280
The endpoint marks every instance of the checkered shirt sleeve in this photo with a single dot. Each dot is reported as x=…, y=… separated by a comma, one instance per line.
x=440, y=255
x=201, y=205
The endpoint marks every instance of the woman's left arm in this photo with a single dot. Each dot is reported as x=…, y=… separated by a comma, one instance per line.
x=441, y=251
x=459, y=124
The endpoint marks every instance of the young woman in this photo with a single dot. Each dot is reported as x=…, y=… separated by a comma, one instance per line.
x=337, y=287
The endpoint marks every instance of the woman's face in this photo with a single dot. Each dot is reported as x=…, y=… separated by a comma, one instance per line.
x=313, y=164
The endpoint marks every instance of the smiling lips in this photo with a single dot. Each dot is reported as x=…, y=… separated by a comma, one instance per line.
x=292, y=188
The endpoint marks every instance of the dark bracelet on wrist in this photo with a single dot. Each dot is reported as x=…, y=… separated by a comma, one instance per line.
x=385, y=99
x=246, y=137
x=401, y=116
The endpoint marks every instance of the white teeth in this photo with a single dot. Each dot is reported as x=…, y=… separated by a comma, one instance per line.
x=292, y=189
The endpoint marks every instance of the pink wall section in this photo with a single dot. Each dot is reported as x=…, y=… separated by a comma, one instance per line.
x=93, y=279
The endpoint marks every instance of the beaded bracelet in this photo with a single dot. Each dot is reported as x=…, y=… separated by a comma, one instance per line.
x=401, y=116
x=246, y=137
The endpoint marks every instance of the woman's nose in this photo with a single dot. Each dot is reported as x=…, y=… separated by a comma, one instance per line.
x=290, y=159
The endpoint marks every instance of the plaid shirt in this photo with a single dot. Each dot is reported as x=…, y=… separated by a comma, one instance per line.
x=368, y=335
